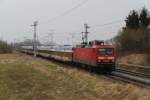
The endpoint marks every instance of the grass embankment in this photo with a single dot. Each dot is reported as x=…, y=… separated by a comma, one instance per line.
x=135, y=58
x=26, y=78
x=143, y=60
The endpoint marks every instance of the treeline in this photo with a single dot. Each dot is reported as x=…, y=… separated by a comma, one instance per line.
x=5, y=47
x=135, y=36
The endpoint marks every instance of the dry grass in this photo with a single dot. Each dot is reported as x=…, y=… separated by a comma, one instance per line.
x=26, y=78
x=136, y=59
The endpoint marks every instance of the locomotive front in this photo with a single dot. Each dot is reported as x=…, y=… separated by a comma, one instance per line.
x=106, y=57
x=97, y=55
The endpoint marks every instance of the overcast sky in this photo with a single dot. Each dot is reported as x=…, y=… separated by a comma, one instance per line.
x=16, y=16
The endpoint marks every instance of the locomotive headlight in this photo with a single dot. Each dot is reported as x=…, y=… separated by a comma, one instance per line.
x=111, y=58
x=101, y=58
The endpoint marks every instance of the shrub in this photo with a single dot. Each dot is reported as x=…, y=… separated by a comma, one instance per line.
x=5, y=47
x=134, y=40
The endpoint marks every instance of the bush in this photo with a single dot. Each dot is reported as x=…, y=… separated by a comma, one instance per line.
x=134, y=40
x=5, y=47
x=135, y=36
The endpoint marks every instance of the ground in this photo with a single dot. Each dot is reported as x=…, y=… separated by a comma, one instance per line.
x=24, y=77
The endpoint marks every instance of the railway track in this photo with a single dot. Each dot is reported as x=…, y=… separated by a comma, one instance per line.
x=132, y=77
x=120, y=74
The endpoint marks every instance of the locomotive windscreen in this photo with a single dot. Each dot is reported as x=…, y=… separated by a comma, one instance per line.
x=106, y=50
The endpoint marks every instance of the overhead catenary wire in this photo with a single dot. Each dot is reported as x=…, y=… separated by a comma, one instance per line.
x=74, y=8
x=93, y=26
x=102, y=25
x=107, y=24
x=77, y=33
x=65, y=13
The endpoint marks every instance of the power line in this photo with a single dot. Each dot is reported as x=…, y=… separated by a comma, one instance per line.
x=106, y=24
x=66, y=12
x=93, y=26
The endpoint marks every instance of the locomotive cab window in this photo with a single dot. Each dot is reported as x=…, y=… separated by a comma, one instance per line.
x=106, y=51
x=102, y=51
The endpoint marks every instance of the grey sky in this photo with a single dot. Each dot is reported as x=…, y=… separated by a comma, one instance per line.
x=17, y=15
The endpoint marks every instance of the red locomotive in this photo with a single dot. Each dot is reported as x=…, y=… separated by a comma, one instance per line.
x=96, y=54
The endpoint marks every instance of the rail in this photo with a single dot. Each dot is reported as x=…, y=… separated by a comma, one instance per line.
x=133, y=73
x=134, y=76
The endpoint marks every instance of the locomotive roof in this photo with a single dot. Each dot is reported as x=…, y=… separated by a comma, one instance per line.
x=98, y=46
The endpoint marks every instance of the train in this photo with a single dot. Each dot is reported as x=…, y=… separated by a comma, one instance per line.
x=95, y=54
